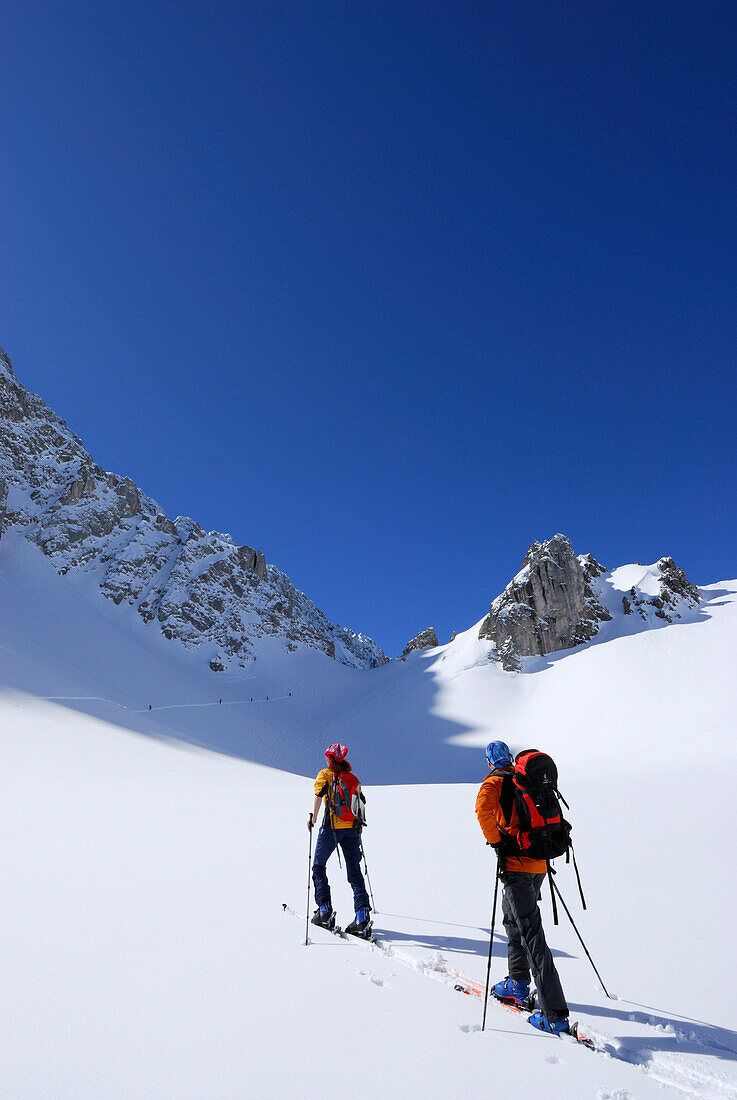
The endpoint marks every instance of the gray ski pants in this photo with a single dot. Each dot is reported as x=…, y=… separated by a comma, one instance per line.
x=526, y=947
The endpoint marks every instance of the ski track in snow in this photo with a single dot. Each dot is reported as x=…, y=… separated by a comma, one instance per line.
x=167, y=706
x=687, y=1076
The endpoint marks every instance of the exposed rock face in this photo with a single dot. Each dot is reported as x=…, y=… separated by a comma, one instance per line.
x=591, y=567
x=675, y=594
x=675, y=587
x=595, y=609
x=548, y=606
x=426, y=639
x=200, y=588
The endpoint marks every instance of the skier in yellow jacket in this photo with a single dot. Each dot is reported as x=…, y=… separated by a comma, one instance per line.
x=340, y=791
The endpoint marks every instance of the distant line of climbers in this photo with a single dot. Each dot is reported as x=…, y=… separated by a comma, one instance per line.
x=251, y=700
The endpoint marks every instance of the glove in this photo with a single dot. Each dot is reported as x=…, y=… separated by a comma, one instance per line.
x=506, y=846
x=310, y=823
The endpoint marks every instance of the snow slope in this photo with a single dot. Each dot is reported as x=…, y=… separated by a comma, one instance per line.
x=146, y=951
x=640, y=687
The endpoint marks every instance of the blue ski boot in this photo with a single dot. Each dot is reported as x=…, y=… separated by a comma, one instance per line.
x=553, y=1025
x=324, y=917
x=513, y=991
x=361, y=926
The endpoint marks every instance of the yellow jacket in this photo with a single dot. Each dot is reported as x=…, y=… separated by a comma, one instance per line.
x=329, y=820
x=489, y=813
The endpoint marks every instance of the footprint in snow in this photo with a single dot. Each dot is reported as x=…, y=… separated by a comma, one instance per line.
x=553, y=1059
x=468, y=1028
x=371, y=977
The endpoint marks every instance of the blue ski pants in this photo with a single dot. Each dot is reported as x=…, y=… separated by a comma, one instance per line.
x=350, y=843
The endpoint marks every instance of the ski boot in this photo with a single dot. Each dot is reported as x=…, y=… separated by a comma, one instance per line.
x=513, y=991
x=324, y=917
x=361, y=925
x=553, y=1025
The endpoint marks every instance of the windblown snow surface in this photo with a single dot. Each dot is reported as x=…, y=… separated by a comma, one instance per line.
x=145, y=950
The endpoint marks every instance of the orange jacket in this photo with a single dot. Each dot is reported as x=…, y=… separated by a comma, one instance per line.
x=489, y=813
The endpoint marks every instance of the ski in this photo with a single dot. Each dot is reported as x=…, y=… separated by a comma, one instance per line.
x=521, y=1010
x=577, y=1030
x=578, y=1033
x=366, y=934
x=336, y=929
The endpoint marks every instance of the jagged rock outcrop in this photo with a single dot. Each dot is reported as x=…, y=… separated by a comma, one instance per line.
x=592, y=569
x=675, y=593
x=548, y=606
x=675, y=586
x=200, y=588
x=426, y=639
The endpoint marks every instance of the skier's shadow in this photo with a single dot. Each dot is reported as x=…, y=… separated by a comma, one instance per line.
x=462, y=945
x=686, y=1036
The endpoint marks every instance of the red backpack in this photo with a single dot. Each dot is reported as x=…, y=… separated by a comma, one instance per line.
x=346, y=800
x=533, y=787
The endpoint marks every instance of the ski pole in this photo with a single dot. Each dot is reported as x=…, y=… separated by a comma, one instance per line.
x=588, y=956
x=309, y=885
x=491, y=946
x=368, y=878
x=578, y=878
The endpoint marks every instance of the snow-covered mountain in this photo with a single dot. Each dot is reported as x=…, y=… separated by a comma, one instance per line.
x=223, y=600
x=147, y=954
x=199, y=588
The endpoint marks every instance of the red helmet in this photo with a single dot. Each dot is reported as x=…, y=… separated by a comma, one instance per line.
x=338, y=752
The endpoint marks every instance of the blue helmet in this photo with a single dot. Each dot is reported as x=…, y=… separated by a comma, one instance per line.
x=498, y=754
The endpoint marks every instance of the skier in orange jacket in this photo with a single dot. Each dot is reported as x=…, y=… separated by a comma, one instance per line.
x=522, y=879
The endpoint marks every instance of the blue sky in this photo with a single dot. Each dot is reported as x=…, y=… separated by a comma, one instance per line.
x=386, y=289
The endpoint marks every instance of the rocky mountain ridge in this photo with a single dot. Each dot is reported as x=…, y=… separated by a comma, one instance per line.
x=212, y=595
x=199, y=587
x=559, y=601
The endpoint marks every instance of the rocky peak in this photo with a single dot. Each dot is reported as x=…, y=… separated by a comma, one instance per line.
x=591, y=567
x=674, y=585
x=673, y=594
x=426, y=639
x=548, y=606
x=199, y=589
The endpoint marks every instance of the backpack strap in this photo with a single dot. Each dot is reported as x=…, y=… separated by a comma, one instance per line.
x=330, y=802
x=337, y=797
x=339, y=788
x=551, y=872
